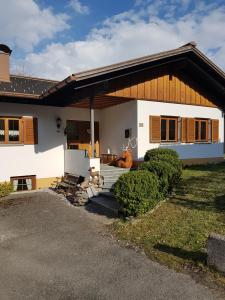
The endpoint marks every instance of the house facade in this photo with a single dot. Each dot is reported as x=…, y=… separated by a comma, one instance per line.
x=173, y=99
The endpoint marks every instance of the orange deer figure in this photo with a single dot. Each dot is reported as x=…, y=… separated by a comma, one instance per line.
x=125, y=161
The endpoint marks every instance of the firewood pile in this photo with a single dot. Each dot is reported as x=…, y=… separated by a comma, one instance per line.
x=79, y=193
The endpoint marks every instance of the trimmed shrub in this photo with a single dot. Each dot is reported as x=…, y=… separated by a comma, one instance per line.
x=164, y=172
x=5, y=189
x=170, y=157
x=137, y=192
x=158, y=152
x=169, y=175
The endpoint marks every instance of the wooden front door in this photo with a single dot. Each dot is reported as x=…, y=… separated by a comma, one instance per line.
x=78, y=134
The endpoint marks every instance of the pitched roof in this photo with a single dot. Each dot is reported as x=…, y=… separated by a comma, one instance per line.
x=49, y=90
x=24, y=86
x=125, y=66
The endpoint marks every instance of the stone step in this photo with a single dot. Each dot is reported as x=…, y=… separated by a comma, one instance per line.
x=111, y=176
x=108, y=204
x=108, y=185
x=114, y=171
x=106, y=191
x=111, y=168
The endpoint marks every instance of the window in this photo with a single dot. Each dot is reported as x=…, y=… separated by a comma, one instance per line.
x=201, y=130
x=168, y=129
x=183, y=129
x=23, y=183
x=10, y=130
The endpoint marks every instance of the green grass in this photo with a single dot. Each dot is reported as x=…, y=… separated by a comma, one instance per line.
x=176, y=233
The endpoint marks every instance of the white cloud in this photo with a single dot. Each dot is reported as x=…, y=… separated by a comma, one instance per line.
x=24, y=24
x=133, y=34
x=79, y=8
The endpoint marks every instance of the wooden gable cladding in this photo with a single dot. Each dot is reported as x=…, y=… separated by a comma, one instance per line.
x=163, y=86
x=30, y=130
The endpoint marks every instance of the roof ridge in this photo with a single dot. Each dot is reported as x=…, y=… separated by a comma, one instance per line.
x=181, y=48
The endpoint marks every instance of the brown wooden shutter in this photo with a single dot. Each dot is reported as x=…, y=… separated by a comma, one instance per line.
x=209, y=131
x=184, y=130
x=190, y=130
x=215, y=131
x=30, y=131
x=155, y=129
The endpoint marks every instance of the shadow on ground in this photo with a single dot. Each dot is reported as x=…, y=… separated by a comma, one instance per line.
x=195, y=256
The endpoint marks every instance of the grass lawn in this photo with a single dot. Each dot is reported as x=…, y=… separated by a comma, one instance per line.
x=175, y=234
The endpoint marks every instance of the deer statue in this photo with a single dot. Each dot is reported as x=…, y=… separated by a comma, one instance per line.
x=126, y=160
x=95, y=176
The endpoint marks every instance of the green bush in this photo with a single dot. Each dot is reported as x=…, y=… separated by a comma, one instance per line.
x=137, y=192
x=158, y=152
x=5, y=189
x=170, y=157
x=164, y=171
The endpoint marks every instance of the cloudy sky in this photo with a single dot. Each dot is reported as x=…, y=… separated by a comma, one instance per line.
x=55, y=38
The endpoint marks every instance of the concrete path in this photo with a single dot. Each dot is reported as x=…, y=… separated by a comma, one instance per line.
x=51, y=250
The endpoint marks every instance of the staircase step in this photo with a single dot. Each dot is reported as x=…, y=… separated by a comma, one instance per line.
x=108, y=185
x=107, y=193
x=111, y=175
x=107, y=203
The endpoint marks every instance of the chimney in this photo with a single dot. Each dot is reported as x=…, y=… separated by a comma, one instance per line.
x=4, y=63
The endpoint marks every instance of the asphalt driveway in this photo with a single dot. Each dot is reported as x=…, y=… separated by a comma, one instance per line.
x=51, y=250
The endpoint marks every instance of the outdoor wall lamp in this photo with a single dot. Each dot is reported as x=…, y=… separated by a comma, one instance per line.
x=58, y=124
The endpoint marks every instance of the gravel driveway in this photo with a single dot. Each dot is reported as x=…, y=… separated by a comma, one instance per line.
x=51, y=250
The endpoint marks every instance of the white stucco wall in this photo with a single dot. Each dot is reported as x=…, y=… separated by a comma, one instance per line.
x=75, y=161
x=47, y=158
x=186, y=151
x=113, y=122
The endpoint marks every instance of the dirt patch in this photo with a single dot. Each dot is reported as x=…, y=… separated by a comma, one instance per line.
x=8, y=202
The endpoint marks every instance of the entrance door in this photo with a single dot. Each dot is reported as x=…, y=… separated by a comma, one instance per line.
x=78, y=134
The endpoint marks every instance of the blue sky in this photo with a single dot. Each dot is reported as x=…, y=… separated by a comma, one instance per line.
x=53, y=38
x=99, y=11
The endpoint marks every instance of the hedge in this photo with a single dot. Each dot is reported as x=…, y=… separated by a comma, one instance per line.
x=156, y=153
x=5, y=189
x=137, y=192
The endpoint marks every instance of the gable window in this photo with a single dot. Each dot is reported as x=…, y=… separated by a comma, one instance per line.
x=10, y=130
x=201, y=130
x=168, y=129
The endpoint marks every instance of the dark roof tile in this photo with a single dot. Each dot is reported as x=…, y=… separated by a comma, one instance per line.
x=26, y=85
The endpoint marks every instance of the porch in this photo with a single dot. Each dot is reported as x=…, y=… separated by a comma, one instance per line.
x=99, y=140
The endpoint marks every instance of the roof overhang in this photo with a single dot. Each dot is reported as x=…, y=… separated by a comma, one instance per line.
x=78, y=87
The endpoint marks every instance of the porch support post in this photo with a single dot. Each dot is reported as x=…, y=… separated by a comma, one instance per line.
x=92, y=123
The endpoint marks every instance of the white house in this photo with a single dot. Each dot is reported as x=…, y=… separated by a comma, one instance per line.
x=170, y=99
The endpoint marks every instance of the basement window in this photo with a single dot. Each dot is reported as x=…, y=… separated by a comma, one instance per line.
x=23, y=183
